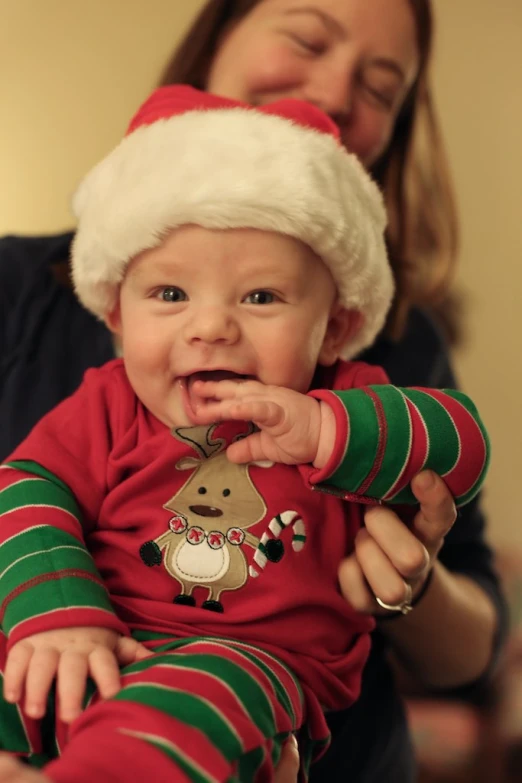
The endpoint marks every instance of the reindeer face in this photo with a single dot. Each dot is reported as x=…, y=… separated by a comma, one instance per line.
x=218, y=494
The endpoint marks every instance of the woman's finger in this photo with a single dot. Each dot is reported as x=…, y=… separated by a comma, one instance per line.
x=14, y=771
x=41, y=672
x=288, y=768
x=402, y=547
x=73, y=670
x=437, y=509
x=354, y=586
x=379, y=572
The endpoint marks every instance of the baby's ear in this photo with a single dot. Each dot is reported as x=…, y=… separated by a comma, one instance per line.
x=113, y=319
x=342, y=327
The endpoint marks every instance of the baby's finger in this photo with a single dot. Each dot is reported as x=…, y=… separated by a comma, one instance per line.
x=208, y=413
x=226, y=390
x=73, y=671
x=15, y=671
x=128, y=650
x=40, y=675
x=104, y=671
x=264, y=413
x=247, y=450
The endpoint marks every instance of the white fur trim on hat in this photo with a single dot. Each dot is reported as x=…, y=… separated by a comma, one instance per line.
x=234, y=168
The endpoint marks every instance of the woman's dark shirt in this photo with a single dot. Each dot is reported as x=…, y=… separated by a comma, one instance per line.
x=48, y=341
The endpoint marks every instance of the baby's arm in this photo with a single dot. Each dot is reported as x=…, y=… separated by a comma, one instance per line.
x=365, y=444
x=386, y=435
x=55, y=610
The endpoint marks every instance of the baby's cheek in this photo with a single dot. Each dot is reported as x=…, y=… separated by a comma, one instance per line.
x=143, y=343
x=293, y=369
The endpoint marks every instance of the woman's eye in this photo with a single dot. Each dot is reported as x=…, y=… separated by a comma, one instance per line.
x=171, y=293
x=384, y=95
x=308, y=44
x=382, y=98
x=260, y=298
x=307, y=36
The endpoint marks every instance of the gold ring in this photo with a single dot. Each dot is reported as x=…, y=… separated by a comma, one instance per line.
x=404, y=607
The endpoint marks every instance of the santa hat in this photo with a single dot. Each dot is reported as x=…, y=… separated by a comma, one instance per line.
x=192, y=157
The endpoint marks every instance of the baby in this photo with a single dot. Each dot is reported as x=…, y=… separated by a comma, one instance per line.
x=160, y=533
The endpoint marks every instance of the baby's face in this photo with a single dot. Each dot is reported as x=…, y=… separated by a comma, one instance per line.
x=238, y=303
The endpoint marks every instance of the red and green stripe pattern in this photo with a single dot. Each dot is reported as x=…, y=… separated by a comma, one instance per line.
x=204, y=710
x=393, y=433
x=48, y=579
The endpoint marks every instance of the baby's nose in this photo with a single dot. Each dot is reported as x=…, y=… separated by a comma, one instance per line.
x=213, y=324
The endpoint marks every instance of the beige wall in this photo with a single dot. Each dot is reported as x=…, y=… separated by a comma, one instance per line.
x=72, y=73
x=479, y=90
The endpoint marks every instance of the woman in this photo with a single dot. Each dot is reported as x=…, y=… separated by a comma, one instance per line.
x=365, y=63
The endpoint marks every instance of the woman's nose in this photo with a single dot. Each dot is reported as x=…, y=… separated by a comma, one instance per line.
x=212, y=325
x=330, y=88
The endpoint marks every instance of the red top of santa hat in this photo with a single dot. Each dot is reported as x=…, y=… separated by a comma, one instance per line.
x=175, y=99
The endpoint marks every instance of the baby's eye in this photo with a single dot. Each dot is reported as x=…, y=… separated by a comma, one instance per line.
x=171, y=293
x=260, y=298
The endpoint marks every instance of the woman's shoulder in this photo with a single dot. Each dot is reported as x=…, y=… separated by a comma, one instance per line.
x=419, y=357
x=49, y=247
x=22, y=256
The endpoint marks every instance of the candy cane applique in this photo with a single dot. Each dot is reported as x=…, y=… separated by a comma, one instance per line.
x=279, y=523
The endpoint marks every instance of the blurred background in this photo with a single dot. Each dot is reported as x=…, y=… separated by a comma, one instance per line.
x=72, y=74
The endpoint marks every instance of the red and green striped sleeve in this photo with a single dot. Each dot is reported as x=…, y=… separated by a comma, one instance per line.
x=386, y=435
x=48, y=579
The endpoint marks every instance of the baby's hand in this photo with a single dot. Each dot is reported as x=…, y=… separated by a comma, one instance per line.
x=290, y=423
x=69, y=655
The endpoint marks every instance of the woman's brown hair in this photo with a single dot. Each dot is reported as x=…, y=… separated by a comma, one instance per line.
x=413, y=172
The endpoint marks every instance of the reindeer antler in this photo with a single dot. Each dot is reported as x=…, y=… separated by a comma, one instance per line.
x=232, y=431
x=200, y=438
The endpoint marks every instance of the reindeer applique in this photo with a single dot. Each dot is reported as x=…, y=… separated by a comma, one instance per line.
x=212, y=513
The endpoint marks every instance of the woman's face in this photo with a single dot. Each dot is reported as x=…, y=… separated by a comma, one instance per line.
x=355, y=59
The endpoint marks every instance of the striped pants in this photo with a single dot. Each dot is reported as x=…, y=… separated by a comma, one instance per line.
x=201, y=710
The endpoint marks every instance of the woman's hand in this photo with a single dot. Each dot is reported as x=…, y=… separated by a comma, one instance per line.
x=390, y=554
x=288, y=768
x=69, y=656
